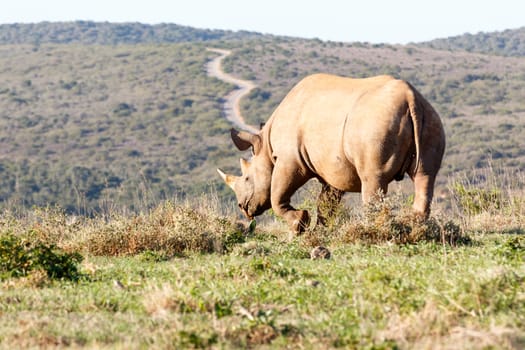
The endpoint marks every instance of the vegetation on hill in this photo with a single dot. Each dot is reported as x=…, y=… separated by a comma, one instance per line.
x=104, y=33
x=505, y=43
x=93, y=127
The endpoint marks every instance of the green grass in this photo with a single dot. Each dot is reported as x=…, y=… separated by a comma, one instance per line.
x=224, y=285
x=366, y=296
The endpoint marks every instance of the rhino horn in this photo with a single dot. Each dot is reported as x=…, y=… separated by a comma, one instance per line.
x=244, y=165
x=229, y=179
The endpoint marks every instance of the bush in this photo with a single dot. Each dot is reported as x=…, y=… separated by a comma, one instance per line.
x=404, y=229
x=389, y=220
x=171, y=229
x=474, y=201
x=18, y=257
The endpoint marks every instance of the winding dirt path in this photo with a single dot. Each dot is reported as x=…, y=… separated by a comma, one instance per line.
x=231, y=108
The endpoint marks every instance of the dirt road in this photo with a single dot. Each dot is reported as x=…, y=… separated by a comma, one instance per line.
x=231, y=108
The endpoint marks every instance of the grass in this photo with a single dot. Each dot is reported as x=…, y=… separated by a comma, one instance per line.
x=190, y=276
x=367, y=295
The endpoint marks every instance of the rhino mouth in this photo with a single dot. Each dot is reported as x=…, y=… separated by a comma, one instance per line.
x=258, y=211
x=252, y=213
x=246, y=211
x=248, y=215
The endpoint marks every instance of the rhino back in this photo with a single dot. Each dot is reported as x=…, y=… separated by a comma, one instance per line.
x=333, y=126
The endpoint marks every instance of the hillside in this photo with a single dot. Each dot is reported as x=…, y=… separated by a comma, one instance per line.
x=99, y=127
x=505, y=43
x=91, y=126
x=104, y=33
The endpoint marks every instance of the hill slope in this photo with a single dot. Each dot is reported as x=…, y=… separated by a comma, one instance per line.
x=104, y=33
x=82, y=125
x=505, y=43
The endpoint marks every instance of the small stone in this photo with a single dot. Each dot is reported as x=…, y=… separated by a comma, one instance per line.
x=118, y=285
x=312, y=283
x=320, y=252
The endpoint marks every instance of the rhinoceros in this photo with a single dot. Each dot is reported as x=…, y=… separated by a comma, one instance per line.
x=353, y=135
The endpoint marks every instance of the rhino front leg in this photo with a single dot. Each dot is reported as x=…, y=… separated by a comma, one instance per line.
x=327, y=203
x=285, y=181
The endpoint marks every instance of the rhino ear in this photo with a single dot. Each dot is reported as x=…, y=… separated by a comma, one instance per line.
x=229, y=179
x=244, y=140
x=245, y=165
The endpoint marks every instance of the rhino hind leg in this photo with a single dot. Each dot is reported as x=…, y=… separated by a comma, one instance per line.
x=327, y=203
x=373, y=190
x=424, y=190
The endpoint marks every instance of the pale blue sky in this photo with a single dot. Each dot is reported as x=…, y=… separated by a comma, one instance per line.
x=394, y=21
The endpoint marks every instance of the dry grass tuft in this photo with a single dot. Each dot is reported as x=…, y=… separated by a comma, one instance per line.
x=434, y=327
x=383, y=222
x=35, y=279
x=417, y=326
x=261, y=334
x=172, y=229
x=158, y=301
x=490, y=198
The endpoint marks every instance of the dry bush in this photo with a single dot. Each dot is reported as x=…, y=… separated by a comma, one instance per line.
x=386, y=221
x=35, y=279
x=170, y=228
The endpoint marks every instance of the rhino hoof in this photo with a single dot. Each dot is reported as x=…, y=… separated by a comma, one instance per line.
x=301, y=224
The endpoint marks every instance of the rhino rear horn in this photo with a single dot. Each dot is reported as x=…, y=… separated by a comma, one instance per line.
x=245, y=165
x=244, y=140
x=229, y=179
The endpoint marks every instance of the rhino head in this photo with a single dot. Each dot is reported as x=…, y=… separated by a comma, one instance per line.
x=252, y=188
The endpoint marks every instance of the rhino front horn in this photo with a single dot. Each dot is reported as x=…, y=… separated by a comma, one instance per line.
x=229, y=179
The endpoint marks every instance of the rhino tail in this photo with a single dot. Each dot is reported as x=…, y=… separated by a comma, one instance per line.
x=417, y=121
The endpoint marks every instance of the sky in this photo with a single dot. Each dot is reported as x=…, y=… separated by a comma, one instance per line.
x=374, y=21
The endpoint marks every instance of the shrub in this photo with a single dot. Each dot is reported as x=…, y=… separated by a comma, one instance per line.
x=492, y=192
x=171, y=229
x=388, y=220
x=18, y=257
x=405, y=228
x=473, y=201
